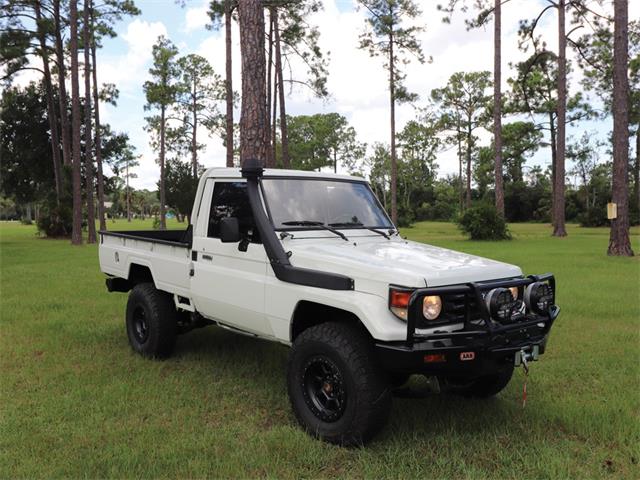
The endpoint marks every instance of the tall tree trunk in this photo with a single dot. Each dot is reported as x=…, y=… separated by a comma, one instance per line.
x=97, y=142
x=88, y=154
x=253, y=122
x=271, y=159
x=194, y=131
x=163, y=219
x=497, y=104
x=636, y=170
x=128, y=196
x=51, y=110
x=284, y=136
x=228, y=82
x=274, y=121
x=559, y=229
x=469, y=147
x=76, y=235
x=392, y=119
x=460, y=181
x=619, y=243
x=65, y=128
x=554, y=160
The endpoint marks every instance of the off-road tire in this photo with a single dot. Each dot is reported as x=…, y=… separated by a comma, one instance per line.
x=367, y=395
x=481, y=387
x=157, y=308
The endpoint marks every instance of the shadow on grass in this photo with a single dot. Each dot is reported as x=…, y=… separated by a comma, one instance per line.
x=260, y=367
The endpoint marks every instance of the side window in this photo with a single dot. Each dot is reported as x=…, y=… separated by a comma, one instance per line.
x=230, y=199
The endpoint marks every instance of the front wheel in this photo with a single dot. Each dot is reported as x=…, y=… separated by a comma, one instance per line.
x=337, y=392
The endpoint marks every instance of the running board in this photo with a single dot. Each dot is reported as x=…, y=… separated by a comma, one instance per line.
x=237, y=330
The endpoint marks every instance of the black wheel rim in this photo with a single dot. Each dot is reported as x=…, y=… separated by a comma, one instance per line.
x=140, y=326
x=323, y=388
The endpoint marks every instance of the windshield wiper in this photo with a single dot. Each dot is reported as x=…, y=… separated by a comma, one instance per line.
x=361, y=225
x=309, y=223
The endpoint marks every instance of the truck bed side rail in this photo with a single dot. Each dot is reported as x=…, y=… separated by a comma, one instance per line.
x=176, y=238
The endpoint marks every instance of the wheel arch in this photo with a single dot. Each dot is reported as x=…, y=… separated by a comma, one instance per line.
x=140, y=272
x=308, y=313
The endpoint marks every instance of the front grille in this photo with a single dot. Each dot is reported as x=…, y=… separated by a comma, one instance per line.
x=454, y=307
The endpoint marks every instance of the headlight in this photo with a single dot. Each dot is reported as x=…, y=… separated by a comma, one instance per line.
x=431, y=307
x=514, y=292
x=538, y=297
x=399, y=302
x=500, y=303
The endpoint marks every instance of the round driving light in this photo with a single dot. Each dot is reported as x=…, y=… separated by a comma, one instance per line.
x=431, y=307
x=538, y=297
x=500, y=304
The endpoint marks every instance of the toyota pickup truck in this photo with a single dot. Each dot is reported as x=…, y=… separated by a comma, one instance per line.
x=311, y=260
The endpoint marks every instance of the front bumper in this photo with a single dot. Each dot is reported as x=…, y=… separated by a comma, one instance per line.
x=481, y=346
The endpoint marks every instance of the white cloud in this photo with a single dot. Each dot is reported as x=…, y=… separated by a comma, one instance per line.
x=128, y=71
x=196, y=18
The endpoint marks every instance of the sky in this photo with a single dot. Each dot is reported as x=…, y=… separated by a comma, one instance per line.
x=357, y=83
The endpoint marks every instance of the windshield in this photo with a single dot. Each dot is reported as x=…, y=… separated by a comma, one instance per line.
x=340, y=204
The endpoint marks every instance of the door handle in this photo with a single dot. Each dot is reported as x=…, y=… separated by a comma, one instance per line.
x=207, y=257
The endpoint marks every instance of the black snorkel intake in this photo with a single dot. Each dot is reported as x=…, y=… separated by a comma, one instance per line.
x=282, y=268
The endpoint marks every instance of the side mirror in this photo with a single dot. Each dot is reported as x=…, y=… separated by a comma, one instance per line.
x=229, y=230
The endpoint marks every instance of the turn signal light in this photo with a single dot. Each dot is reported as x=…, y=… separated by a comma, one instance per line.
x=435, y=358
x=399, y=302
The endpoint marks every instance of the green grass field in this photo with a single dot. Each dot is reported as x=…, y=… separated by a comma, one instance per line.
x=76, y=402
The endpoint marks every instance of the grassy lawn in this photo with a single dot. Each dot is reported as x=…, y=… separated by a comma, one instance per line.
x=76, y=402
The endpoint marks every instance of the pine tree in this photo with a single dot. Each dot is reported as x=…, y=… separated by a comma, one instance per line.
x=88, y=137
x=199, y=92
x=76, y=234
x=619, y=243
x=486, y=9
x=464, y=103
x=387, y=36
x=218, y=10
x=161, y=93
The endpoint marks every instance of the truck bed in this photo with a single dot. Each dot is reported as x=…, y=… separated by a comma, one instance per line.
x=166, y=253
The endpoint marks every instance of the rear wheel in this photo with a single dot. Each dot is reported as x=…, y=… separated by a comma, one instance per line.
x=481, y=387
x=151, y=321
x=337, y=392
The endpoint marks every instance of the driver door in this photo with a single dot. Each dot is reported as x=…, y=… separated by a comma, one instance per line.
x=229, y=283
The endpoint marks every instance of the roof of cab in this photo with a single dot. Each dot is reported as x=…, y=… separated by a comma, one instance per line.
x=225, y=172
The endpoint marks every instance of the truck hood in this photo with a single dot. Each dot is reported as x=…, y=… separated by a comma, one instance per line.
x=376, y=262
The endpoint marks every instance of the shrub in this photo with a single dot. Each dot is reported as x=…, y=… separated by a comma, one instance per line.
x=482, y=222
x=439, y=210
x=593, y=217
x=55, y=221
x=405, y=219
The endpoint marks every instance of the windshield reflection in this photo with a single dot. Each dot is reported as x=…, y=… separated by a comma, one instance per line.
x=328, y=202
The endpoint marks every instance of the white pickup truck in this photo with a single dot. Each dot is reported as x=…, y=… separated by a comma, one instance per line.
x=312, y=260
